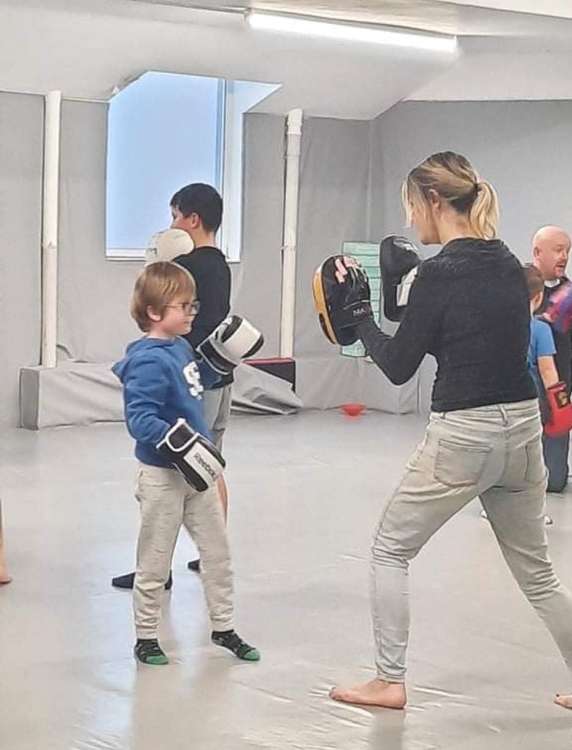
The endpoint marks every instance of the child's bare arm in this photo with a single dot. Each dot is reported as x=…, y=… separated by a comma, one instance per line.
x=547, y=371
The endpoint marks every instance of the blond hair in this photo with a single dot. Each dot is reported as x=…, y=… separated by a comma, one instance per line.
x=453, y=178
x=157, y=286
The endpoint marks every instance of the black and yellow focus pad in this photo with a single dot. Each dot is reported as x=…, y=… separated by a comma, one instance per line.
x=334, y=307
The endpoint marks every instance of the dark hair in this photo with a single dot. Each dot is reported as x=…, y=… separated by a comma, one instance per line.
x=201, y=199
x=534, y=280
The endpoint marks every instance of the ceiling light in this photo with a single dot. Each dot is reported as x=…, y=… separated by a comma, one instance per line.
x=290, y=24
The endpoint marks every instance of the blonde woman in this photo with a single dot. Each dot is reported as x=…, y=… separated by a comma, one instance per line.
x=469, y=308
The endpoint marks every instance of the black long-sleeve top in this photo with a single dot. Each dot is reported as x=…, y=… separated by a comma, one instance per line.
x=211, y=273
x=469, y=308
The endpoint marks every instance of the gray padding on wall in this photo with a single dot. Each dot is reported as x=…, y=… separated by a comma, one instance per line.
x=256, y=280
x=258, y=392
x=73, y=393
x=323, y=383
x=94, y=321
x=21, y=155
x=76, y=393
x=333, y=207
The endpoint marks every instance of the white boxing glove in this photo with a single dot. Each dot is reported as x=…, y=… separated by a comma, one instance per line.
x=198, y=460
x=168, y=245
x=234, y=340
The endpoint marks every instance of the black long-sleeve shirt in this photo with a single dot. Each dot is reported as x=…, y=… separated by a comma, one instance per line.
x=211, y=273
x=469, y=308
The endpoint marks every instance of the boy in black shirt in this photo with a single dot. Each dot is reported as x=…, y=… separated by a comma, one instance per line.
x=197, y=209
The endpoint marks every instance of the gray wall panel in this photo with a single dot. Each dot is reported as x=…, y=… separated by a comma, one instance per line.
x=94, y=321
x=21, y=154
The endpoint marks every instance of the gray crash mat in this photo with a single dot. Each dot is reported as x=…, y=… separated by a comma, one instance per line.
x=77, y=393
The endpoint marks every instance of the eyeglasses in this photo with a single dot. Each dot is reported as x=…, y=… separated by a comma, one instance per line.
x=187, y=307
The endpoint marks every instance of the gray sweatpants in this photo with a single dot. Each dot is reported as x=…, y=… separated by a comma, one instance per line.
x=216, y=409
x=494, y=452
x=166, y=503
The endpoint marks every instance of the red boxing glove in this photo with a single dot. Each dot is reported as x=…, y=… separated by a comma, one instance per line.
x=560, y=409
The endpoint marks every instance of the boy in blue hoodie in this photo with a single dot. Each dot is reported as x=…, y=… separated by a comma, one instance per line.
x=178, y=464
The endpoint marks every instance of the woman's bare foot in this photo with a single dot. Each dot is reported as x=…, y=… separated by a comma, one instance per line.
x=563, y=700
x=373, y=693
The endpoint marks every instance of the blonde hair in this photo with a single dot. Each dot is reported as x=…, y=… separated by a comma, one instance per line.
x=157, y=286
x=453, y=178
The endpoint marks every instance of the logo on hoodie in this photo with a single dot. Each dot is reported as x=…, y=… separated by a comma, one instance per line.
x=193, y=378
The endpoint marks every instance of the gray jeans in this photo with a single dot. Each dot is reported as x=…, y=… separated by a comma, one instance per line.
x=166, y=503
x=216, y=408
x=494, y=452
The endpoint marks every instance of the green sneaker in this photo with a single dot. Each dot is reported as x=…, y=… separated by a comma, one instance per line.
x=233, y=642
x=148, y=651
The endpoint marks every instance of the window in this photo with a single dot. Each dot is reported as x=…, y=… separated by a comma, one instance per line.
x=167, y=130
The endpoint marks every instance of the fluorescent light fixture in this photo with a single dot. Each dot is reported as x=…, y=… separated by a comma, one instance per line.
x=291, y=24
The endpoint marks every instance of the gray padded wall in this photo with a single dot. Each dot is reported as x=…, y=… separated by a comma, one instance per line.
x=523, y=148
x=94, y=322
x=333, y=207
x=256, y=280
x=21, y=153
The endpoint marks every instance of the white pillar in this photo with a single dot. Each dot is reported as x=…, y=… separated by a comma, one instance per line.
x=52, y=126
x=293, y=139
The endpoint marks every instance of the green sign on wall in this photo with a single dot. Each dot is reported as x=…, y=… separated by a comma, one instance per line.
x=367, y=255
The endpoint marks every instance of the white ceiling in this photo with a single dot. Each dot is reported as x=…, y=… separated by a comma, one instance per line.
x=88, y=47
x=464, y=17
x=559, y=8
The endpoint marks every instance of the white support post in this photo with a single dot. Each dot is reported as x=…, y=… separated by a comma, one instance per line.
x=52, y=127
x=292, y=181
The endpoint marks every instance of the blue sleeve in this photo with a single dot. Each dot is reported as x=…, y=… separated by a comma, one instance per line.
x=544, y=340
x=145, y=389
x=209, y=377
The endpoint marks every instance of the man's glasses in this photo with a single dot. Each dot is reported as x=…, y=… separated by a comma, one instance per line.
x=186, y=307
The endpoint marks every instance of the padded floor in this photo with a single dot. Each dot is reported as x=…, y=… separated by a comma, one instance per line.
x=305, y=493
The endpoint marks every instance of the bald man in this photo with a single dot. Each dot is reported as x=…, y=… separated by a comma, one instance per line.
x=550, y=251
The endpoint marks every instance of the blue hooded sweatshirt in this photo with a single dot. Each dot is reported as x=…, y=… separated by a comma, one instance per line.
x=161, y=382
